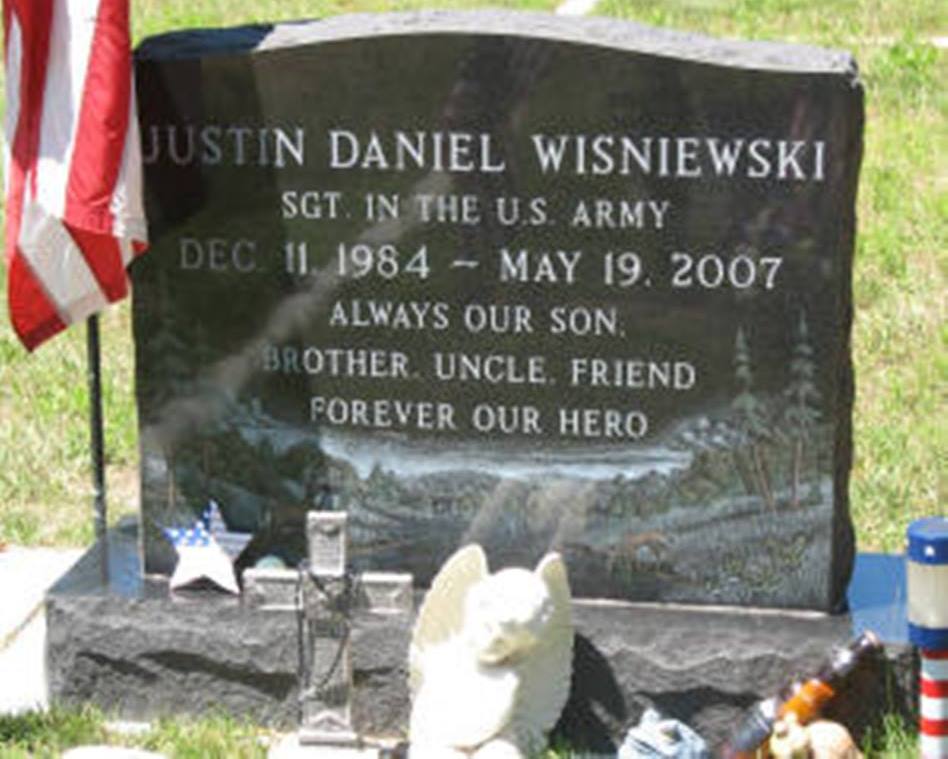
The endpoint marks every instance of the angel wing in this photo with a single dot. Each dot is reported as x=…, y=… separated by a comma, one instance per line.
x=547, y=672
x=442, y=612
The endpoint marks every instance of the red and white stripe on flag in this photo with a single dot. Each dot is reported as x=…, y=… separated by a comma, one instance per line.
x=73, y=161
x=933, y=722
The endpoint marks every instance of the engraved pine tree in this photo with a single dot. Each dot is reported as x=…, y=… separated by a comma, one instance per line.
x=801, y=414
x=751, y=417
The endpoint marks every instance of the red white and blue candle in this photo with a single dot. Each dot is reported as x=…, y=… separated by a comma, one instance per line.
x=927, y=575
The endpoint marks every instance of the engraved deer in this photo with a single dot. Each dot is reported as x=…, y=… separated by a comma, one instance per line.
x=638, y=550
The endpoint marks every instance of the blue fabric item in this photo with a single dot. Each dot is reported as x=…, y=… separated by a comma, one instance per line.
x=658, y=738
x=928, y=540
x=931, y=638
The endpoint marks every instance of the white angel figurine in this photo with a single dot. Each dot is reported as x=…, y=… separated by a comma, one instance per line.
x=491, y=659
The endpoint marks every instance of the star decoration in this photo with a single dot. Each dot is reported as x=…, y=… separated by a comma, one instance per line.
x=200, y=556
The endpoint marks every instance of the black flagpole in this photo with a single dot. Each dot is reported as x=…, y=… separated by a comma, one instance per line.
x=96, y=435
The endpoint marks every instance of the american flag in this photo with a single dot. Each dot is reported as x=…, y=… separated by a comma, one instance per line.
x=73, y=161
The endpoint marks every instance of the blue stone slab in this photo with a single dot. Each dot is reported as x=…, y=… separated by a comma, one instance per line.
x=877, y=597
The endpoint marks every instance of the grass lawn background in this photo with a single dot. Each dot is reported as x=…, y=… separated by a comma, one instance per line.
x=900, y=332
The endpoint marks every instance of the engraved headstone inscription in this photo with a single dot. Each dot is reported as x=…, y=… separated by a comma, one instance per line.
x=584, y=289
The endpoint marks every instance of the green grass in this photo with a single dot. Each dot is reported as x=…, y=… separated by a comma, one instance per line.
x=893, y=740
x=45, y=486
x=46, y=735
x=153, y=16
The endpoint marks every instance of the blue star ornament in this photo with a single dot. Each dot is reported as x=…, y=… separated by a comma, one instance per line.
x=200, y=557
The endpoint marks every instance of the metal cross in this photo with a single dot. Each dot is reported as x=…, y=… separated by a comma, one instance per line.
x=324, y=595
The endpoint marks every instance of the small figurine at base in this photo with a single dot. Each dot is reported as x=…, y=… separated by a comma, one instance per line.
x=491, y=659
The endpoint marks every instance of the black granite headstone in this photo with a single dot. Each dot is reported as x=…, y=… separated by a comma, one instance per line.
x=584, y=287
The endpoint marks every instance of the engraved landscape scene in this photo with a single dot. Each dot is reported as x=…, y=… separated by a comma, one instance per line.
x=538, y=295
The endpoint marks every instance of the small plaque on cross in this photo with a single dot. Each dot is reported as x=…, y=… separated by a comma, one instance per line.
x=327, y=540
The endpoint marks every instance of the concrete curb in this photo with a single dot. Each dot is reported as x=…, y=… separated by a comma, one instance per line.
x=26, y=574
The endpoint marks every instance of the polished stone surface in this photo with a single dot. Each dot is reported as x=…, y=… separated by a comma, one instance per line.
x=585, y=288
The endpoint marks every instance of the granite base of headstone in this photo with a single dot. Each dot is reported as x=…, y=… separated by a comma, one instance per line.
x=127, y=645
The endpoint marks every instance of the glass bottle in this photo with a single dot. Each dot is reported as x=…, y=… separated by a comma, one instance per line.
x=809, y=699
x=804, y=699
